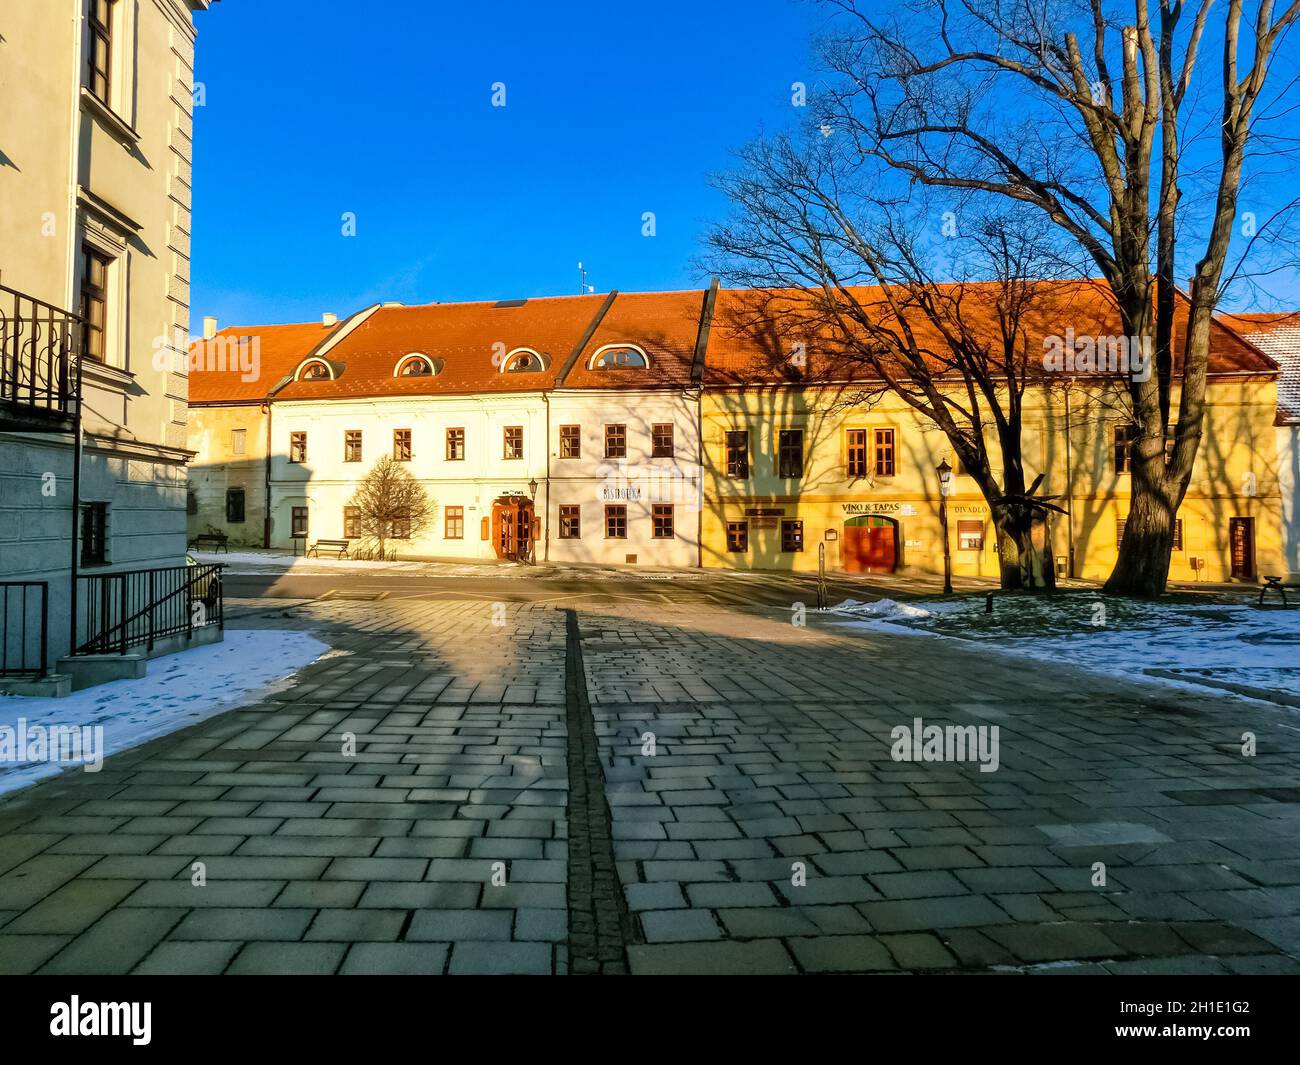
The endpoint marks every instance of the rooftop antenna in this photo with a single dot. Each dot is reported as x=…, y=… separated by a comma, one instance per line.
x=583, y=287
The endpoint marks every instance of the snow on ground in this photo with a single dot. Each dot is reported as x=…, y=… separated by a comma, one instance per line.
x=179, y=690
x=1224, y=639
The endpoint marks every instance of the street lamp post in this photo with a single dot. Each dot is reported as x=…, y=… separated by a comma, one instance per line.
x=532, y=546
x=945, y=486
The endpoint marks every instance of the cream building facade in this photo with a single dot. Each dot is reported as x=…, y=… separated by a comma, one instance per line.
x=560, y=429
x=95, y=171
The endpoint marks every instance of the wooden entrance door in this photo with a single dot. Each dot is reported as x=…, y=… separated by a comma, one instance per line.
x=1241, y=538
x=513, y=528
x=870, y=544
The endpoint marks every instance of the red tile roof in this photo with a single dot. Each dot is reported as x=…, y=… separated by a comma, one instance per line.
x=215, y=373
x=664, y=325
x=470, y=339
x=755, y=332
x=751, y=341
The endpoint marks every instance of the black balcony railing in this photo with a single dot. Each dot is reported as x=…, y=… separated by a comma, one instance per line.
x=137, y=608
x=38, y=344
x=24, y=628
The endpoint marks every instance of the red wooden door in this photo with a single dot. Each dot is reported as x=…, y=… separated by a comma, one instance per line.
x=881, y=549
x=869, y=545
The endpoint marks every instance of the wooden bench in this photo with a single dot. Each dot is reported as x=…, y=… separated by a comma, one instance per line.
x=339, y=548
x=213, y=540
x=1274, y=584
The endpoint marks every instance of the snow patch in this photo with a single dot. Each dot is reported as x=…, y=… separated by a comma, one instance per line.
x=178, y=691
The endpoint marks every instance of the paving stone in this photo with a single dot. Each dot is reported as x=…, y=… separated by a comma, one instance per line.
x=661, y=895
x=448, y=926
x=115, y=943
x=760, y=957
x=230, y=924
x=676, y=926
x=549, y=926
x=441, y=896
x=188, y=959
x=1054, y=942
x=718, y=896
x=905, y=915
x=500, y=958
x=349, y=926
x=842, y=954
x=918, y=951
x=289, y=959
x=22, y=955
x=395, y=959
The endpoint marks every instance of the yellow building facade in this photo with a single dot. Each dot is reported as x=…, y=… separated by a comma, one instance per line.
x=858, y=479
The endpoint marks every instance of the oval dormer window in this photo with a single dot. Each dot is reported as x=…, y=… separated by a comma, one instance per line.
x=416, y=364
x=620, y=357
x=523, y=360
x=315, y=371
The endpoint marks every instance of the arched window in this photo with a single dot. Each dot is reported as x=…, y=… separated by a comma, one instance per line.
x=524, y=360
x=416, y=364
x=620, y=357
x=316, y=370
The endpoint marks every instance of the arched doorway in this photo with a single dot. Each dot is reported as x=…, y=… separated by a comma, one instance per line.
x=513, y=528
x=870, y=544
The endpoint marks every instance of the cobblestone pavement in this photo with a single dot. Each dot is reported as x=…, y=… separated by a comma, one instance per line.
x=406, y=806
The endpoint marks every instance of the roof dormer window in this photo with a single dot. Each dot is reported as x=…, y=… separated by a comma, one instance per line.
x=524, y=360
x=315, y=370
x=417, y=364
x=620, y=357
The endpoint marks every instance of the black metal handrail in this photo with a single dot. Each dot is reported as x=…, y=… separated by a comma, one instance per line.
x=134, y=608
x=38, y=346
x=24, y=628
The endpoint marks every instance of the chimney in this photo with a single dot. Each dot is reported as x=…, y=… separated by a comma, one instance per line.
x=328, y=319
x=209, y=328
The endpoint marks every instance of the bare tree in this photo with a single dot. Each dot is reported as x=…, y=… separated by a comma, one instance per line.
x=1087, y=112
x=390, y=505
x=843, y=275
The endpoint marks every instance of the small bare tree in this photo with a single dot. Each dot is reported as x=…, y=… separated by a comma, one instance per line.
x=391, y=505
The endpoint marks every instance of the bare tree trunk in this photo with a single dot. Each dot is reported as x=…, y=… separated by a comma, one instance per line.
x=1142, y=568
x=1022, y=561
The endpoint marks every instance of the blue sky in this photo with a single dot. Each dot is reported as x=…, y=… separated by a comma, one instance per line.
x=385, y=110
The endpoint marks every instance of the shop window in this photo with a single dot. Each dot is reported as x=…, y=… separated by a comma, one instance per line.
x=737, y=537
x=970, y=536
x=791, y=536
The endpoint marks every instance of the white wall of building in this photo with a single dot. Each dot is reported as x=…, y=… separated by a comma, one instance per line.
x=638, y=482
x=1288, y=477
x=325, y=483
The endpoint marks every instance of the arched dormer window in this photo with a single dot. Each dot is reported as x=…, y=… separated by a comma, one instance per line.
x=417, y=364
x=315, y=370
x=524, y=360
x=619, y=357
